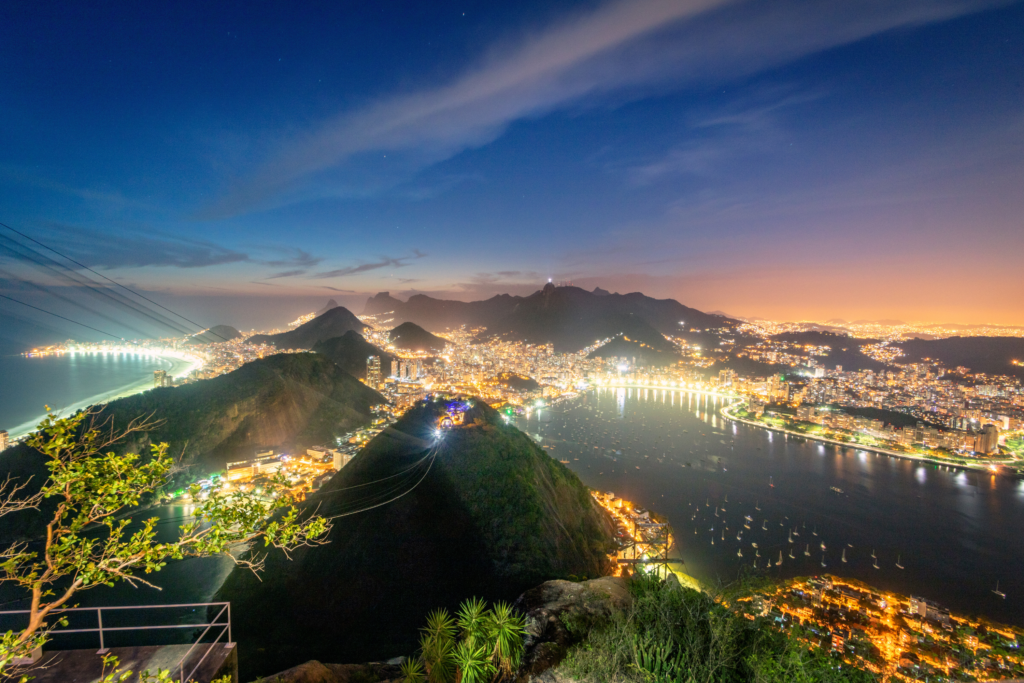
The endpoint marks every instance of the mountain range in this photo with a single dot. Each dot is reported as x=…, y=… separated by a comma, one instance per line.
x=333, y=322
x=570, y=318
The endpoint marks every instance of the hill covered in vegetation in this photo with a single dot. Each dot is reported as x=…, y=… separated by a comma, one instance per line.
x=479, y=511
x=334, y=322
x=350, y=351
x=412, y=337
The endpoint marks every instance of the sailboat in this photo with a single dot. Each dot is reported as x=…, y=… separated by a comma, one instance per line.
x=872, y=553
x=823, y=546
x=727, y=498
x=771, y=483
x=791, y=536
x=757, y=553
x=791, y=555
x=823, y=561
x=764, y=527
x=844, y=554
x=807, y=550
x=739, y=553
x=757, y=505
x=780, y=559
x=999, y=592
x=716, y=512
x=898, y=562
x=876, y=564
x=815, y=532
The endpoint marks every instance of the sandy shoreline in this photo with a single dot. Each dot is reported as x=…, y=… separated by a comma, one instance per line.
x=178, y=365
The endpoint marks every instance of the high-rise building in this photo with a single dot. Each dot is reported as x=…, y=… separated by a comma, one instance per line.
x=373, y=372
x=396, y=368
x=160, y=379
x=5, y=439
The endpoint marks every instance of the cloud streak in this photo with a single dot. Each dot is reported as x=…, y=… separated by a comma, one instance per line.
x=622, y=48
x=384, y=262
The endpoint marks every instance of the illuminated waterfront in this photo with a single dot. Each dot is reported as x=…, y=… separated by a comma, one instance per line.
x=67, y=382
x=952, y=530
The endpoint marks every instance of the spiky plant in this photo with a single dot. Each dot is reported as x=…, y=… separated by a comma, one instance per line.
x=412, y=671
x=507, y=631
x=437, y=643
x=472, y=663
x=474, y=621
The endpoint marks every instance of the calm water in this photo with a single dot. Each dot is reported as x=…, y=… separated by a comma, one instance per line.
x=955, y=533
x=67, y=382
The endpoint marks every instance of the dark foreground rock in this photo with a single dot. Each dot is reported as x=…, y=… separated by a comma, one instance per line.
x=551, y=606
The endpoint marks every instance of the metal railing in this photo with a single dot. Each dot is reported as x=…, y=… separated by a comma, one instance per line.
x=224, y=628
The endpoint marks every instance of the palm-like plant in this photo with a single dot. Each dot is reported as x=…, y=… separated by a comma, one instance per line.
x=474, y=621
x=489, y=645
x=412, y=671
x=437, y=644
x=507, y=631
x=473, y=663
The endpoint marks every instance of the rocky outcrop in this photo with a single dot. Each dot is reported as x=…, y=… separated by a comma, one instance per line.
x=552, y=607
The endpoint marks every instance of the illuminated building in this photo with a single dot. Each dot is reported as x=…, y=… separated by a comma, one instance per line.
x=4, y=439
x=373, y=372
x=160, y=379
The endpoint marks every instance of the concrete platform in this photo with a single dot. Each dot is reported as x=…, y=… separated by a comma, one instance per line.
x=85, y=666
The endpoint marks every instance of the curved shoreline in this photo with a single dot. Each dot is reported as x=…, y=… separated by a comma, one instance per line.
x=725, y=413
x=181, y=364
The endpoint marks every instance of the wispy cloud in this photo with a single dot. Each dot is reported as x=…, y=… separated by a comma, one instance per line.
x=299, y=258
x=287, y=273
x=384, y=262
x=134, y=248
x=622, y=48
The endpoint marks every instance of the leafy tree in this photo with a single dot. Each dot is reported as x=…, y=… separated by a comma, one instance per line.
x=88, y=542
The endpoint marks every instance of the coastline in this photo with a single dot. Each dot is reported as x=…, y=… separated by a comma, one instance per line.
x=724, y=412
x=180, y=364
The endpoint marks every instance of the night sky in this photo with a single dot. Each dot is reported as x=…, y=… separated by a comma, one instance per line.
x=243, y=162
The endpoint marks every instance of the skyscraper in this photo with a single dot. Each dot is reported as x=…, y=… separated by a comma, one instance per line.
x=373, y=372
x=5, y=440
x=160, y=378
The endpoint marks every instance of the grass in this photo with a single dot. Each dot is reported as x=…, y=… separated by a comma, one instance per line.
x=678, y=635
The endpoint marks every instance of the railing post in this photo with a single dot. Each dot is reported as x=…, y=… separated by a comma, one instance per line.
x=229, y=623
x=99, y=619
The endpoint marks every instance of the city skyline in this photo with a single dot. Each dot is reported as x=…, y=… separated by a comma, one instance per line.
x=791, y=162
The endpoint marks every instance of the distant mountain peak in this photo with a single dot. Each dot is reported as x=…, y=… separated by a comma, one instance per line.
x=330, y=304
x=601, y=292
x=333, y=323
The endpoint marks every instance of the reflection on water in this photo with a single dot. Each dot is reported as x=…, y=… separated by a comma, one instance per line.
x=955, y=532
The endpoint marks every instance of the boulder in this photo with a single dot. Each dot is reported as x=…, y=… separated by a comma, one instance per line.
x=553, y=608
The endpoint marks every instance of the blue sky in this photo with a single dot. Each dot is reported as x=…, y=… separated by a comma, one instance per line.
x=243, y=161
